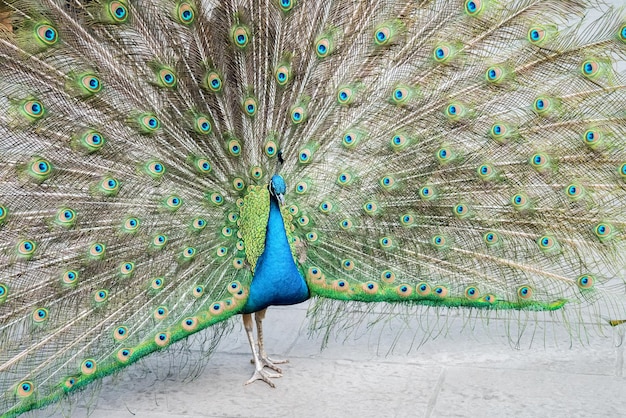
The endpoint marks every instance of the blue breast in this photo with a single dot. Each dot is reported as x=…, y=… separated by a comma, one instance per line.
x=276, y=280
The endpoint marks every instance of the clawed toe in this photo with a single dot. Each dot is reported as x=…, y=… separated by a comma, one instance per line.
x=275, y=361
x=271, y=363
x=265, y=376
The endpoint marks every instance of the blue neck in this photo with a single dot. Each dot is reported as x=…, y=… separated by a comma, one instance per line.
x=276, y=280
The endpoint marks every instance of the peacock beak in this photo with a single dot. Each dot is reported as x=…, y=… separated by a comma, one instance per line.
x=281, y=199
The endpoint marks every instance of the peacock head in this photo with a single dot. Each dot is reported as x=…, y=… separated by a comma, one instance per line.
x=278, y=188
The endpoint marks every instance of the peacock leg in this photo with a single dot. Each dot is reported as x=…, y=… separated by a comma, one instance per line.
x=267, y=362
x=259, y=372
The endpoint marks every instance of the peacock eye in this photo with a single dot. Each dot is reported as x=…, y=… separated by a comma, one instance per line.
x=382, y=35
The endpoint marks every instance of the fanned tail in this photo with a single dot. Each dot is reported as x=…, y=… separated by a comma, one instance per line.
x=441, y=153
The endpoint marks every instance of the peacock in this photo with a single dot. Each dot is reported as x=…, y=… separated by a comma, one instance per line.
x=167, y=165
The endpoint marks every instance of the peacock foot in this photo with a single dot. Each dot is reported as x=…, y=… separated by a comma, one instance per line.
x=265, y=376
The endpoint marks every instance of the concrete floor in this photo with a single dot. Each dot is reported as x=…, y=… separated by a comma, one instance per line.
x=465, y=373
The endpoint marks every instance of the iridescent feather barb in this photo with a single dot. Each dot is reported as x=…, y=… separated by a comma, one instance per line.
x=166, y=165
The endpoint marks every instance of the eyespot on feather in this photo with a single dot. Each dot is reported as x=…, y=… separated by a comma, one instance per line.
x=97, y=250
x=160, y=313
x=286, y=5
x=604, y=231
x=474, y=7
x=270, y=148
x=461, y=211
x=439, y=241
x=314, y=273
x=590, y=69
x=443, y=53
x=4, y=292
x=25, y=389
x=401, y=95
x=454, y=112
x=69, y=383
x=90, y=84
x=118, y=12
x=162, y=339
x=520, y=202
x=489, y=298
x=445, y=155
x=32, y=110
x=46, y=34
x=298, y=115
x=157, y=283
x=525, y=292
x=388, y=276
x=100, y=296
x=88, y=367
x=347, y=264
x=250, y=106
x=173, y=203
x=148, y=123
x=92, y=141
x=202, y=125
x=491, y=239
x=486, y=172
x=585, y=281
x=126, y=269
x=217, y=308
x=340, y=285
x=256, y=172
x=386, y=242
x=240, y=35
x=344, y=178
x=472, y=293
x=548, y=244
x=185, y=13
x=345, y=95
x=123, y=355
x=427, y=193
x=213, y=82
x=423, y=289
x=120, y=333
x=198, y=291
x=622, y=33
x=387, y=33
x=234, y=147
x=495, y=74
x=441, y=291
x=370, y=288
x=189, y=324
x=39, y=169
x=501, y=132
x=26, y=248
x=404, y=290
x=234, y=287
x=109, y=186
x=40, y=315
x=407, y=219
x=324, y=46
x=536, y=35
